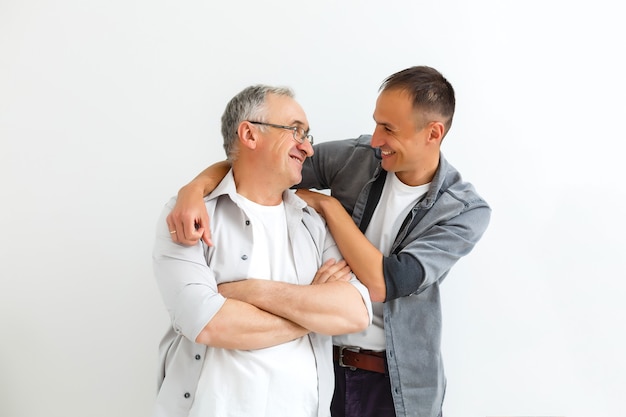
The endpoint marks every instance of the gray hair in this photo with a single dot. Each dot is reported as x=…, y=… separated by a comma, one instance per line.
x=249, y=104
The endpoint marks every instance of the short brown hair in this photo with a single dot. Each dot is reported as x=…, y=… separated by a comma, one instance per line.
x=427, y=88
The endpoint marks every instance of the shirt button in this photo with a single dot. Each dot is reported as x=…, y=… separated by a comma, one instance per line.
x=187, y=395
x=247, y=222
x=197, y=357
x=244, y=257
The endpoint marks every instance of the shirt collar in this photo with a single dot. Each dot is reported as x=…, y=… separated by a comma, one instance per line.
x=227, y=187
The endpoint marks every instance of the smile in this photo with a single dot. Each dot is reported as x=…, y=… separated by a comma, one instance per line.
x=297, y=158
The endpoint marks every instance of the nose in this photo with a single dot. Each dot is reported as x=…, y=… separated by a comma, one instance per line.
x=307, y=148
x=376, y=141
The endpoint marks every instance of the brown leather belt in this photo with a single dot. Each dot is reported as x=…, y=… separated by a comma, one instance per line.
x=354, y=357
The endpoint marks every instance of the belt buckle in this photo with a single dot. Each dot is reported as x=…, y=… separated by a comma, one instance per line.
x=355, y=349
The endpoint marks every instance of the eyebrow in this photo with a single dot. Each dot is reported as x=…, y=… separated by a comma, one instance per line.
x=300, y=124
x=385, y=124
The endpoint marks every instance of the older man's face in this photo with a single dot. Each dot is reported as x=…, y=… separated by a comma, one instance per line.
x=282, y=152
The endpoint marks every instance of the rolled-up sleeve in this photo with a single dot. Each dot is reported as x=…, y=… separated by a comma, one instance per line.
x=430, y=256
x=187, y=284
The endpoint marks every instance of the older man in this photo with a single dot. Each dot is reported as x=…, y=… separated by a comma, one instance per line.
x=249, y=335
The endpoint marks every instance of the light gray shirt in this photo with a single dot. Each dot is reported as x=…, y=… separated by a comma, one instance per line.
x=187, y=278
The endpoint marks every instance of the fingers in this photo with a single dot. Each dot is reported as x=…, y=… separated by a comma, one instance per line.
x=171, y=226
x=344, y=274
x=314, y=199
x=309, y=197
x=183, y=229
x=303, y=193
x=202, y=227
x=332, y=271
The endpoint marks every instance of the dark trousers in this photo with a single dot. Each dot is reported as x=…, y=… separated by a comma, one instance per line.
x=361, y=393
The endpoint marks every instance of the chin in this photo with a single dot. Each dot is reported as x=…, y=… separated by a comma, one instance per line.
x=387, y=166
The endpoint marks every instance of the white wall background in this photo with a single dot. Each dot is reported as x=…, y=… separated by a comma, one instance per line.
x=106, y=108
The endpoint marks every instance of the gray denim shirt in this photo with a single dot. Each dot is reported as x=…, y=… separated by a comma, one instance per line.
x=187, y=277
x=440, y=229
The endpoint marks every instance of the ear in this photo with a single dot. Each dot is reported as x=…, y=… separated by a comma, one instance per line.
x=437, y=130
x=248, y=136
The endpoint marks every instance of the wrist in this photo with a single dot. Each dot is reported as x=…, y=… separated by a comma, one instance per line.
x=193, y=188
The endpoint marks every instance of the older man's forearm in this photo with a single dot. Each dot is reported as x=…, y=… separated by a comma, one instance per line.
x=331, y=308
x=239, y=325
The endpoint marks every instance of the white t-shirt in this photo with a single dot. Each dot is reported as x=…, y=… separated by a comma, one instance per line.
x=279, y=381
x=396, y=201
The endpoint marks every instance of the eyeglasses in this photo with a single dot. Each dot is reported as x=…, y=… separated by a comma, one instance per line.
x=299, y=134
